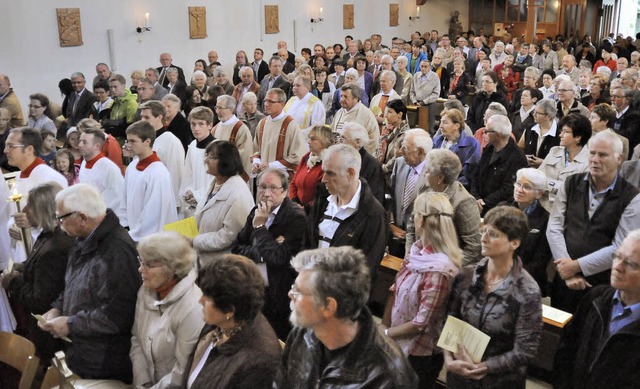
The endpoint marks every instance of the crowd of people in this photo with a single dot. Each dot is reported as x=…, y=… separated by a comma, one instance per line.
x=301, y=172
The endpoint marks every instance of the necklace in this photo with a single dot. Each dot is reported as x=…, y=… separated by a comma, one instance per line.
x=220, y=333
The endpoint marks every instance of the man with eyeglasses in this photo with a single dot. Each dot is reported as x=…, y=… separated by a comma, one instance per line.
x=9, y=100
x=305, y=108
x=247, y=84
x=22, y=147
x=335, y=339
x=568, y=100
x=593, y=212
x=602, y=343
x=96, y=308
x=627, y=122
x=232, y=129
x=80, y=101
x=272, y=235
x=278, y=141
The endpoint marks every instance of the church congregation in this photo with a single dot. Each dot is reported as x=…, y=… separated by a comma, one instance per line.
x=300, y=173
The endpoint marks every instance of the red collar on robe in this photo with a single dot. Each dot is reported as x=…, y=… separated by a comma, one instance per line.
x=142, y=164
x=27, y=172
x=89, y=164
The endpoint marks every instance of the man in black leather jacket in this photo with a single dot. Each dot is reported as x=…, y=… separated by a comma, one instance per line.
x=335, y=343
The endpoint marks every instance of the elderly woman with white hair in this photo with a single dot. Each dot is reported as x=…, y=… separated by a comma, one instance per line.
x=222, y=79
x=534, y=250
x=250, y=115
x=199, y=80
x=168, y=316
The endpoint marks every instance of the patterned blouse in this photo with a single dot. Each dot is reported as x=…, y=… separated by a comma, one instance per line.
x=511, y=315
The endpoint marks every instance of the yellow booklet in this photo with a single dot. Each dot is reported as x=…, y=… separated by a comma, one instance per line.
x=457, y=332
x=186, y=227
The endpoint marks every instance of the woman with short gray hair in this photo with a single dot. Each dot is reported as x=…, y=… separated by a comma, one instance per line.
x=534, y=250
x=168, y=316
x=442, y=170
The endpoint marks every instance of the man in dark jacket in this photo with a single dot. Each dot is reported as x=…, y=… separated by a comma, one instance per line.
x=500, y=161
x=97, y=307
x=350, y=216
x=273, y=234
x=336, y=343
x=602, y=341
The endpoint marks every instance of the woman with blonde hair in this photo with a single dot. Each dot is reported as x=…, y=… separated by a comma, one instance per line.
x=416, y=314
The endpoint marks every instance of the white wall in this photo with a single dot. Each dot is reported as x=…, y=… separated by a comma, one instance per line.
x=32, y=57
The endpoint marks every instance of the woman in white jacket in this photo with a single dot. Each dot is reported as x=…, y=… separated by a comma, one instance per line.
x=168, y=316
x=223, y=212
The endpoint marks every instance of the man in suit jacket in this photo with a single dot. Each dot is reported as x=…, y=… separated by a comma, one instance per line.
x=273, y=234
x=79, y=102
x=175, y=85
x=165, y=61
x=274, y=79
x=260, y=67
x=473, y=56
x=386, y=63
x=536, y=59
x=287, y=67
x=352, y=51
x=407, y=177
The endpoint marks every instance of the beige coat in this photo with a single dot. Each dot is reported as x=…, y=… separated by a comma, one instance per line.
x=556, y=172
x=221, y=218
x=164, y=333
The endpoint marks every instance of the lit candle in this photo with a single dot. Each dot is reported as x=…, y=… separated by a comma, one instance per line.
x=321, y=9
x=146, y=19
x=418, y=11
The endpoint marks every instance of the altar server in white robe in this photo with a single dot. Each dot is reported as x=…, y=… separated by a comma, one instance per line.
x=101, y=172
x=167, y=145
x=149, y=197
x=195, y=180
x=22, y=148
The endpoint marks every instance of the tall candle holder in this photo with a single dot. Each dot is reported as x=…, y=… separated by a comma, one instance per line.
x=16, y=197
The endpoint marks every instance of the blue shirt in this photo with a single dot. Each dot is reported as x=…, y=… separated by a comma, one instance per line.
x=622, y=315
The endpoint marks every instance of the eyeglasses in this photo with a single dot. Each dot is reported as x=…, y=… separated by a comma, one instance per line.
x=220, y=108
x=35, y=106
x=492, y=234
x=565, y=90
x=488, y=131
x=295, y=292
x=629, y=264
x=269, y=188
x=271, y=101
x=11, y=147
x=525, y=187
x=60, y=218
x=149, y=264
x=209, y=157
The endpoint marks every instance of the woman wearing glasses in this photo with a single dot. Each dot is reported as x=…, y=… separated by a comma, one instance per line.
x=528, y=189
x=168, y=315
x=38, y=111
x=225, y=209
x=501, y=299
x=40, y=280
